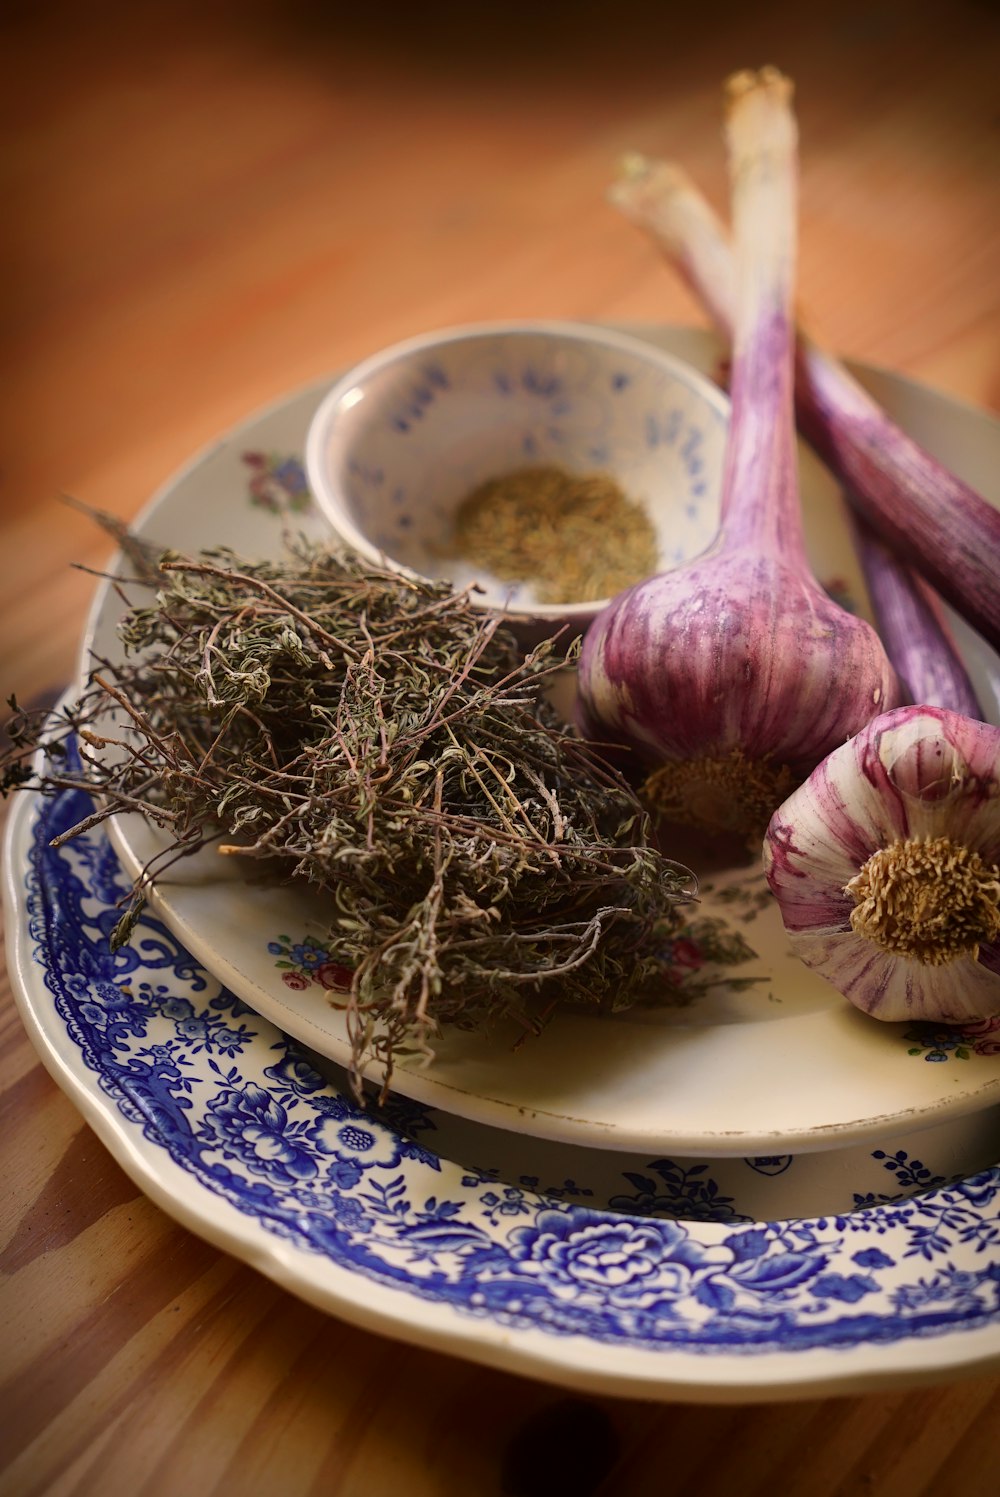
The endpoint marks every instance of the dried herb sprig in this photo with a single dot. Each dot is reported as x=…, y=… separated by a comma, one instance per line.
x=391, y=745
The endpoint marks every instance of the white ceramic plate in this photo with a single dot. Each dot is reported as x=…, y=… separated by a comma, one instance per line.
x=490, y=1250
x=776, y=1067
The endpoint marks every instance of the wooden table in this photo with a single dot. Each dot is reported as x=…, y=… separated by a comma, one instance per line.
x=207, y=205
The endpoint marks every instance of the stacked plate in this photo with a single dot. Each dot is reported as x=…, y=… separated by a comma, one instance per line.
x=760, y=1193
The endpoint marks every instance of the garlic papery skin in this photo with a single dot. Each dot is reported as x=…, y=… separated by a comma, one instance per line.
x=886, y=865
x=733, y=675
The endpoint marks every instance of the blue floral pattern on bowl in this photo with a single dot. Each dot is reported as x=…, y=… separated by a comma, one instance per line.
x=401, y=440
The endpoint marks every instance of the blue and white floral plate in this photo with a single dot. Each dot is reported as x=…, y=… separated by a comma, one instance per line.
x=766, y=1059
x=478, y=1249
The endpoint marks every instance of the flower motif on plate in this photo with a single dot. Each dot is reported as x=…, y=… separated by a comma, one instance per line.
x=306, y=963
x=940, y=1042
x=265, y=1133
x=278, y=483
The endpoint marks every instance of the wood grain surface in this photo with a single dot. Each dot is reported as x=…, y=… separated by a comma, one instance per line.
x=206, y=205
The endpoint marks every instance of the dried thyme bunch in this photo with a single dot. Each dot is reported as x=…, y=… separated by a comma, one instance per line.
x=391, y=745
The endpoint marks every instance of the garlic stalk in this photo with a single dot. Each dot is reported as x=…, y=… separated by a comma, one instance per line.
x=925, y=513
x=912, y=628
x=735, y=674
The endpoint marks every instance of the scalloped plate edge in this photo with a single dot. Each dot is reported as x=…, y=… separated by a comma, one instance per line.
x=573, y=1361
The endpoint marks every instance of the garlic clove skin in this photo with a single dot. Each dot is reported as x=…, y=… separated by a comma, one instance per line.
x=891, y=988
x=917, y=791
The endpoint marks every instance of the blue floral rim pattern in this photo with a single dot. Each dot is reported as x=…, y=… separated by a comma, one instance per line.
x=241, y=1109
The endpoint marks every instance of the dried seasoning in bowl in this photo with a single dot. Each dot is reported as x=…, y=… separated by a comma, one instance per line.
x=389, y=744
x=577, y=537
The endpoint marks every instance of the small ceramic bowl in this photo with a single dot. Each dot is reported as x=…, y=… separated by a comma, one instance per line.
x=402, y=439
